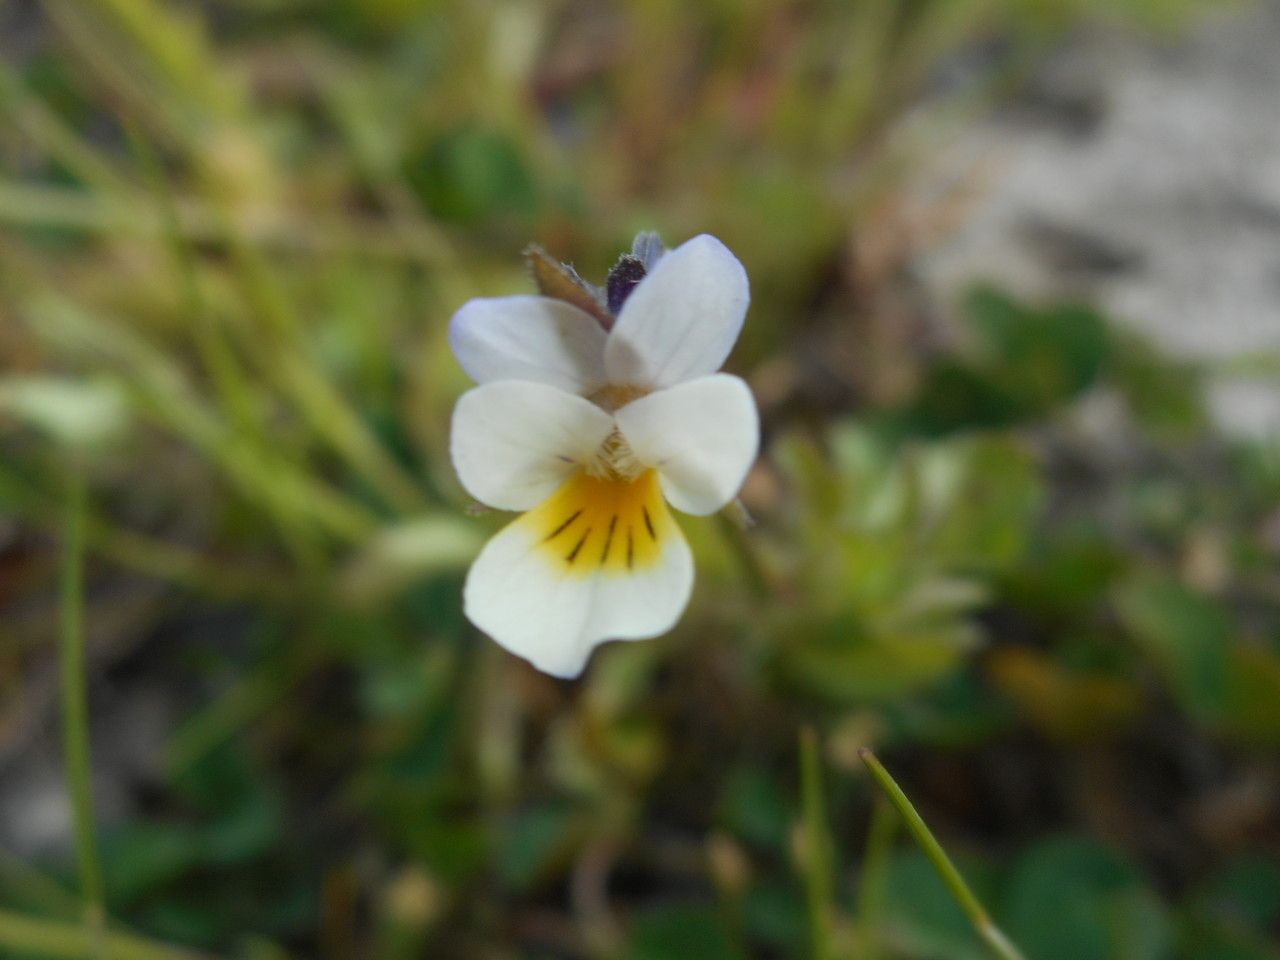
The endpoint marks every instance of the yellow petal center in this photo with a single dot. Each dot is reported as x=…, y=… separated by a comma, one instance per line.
x=602, y=525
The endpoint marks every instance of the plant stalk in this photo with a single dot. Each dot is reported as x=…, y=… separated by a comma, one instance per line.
x=33, y=937
x=75, y=711
x=816, y=862
x=992, y=936
x=869, y=907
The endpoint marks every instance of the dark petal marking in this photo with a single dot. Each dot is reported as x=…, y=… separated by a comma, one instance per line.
x=623, y=278
x=648, y=524
x=631, y=549
x=573, y=554
x=608, y=539
x=563, y=527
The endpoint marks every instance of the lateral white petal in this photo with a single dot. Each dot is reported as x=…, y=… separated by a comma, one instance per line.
x=529, y=338
x=701, y=437
x=524, y=599
x=514, y=442
x=681, y=320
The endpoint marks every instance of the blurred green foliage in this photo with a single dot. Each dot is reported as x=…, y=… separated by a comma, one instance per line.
x=1011, y=552
x=898, y=549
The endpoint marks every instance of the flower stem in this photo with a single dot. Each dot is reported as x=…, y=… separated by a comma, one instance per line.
x=994, y=939
x=34, y=937
x=816, y=862
x=75, y=711
x=735, y=534
x=873, y=875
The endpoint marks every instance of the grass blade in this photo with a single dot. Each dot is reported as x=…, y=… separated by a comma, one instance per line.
x=75, y=709
x=992, y=936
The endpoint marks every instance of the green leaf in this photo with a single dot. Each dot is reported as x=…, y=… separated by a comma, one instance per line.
x=76, y=414
x=473, y=174
x=856, y=670
x=1165, y=395
x=680, y=932
x=1065, y=574
x=1071, y=899
x=1245, y=890
x=1187, y=635
x=922, y=914
x=774, y=915
x=532, y=842
x=957, y=712
x=1024, y=362
x=755, y=807
x=145, y=856
x=1041, y=356
x=402, y=555
x=1253, y=698
x=981, y=519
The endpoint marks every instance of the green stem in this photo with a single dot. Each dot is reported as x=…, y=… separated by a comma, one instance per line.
x=75, y=710
x=732, y=521
x=872, y=878
x=26, y=888
x=43, y=128
x=61, y=941
x=266, y=684
x=128, y=215
x=991, y=935
x=215, y=352
x=156, y=558
x=316, y=398
x=817, y=846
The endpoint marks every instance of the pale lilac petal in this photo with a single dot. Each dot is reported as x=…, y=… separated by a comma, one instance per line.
x=529, y=338
x=681, y=321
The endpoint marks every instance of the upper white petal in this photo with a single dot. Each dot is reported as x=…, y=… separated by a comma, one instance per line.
x=529, y=338
x=681, y=320
x=514, y=442
x=555, y=620
x=701, y=436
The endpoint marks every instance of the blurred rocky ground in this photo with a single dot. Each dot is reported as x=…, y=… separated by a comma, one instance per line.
x=1143, y=176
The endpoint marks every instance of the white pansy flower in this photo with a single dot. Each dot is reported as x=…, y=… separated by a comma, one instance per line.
x=593, y=425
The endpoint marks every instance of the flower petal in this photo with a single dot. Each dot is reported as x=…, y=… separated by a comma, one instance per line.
x=529, y=338
x=681, y=320
x=701, y=437
x=514, y=442
x=599, y=560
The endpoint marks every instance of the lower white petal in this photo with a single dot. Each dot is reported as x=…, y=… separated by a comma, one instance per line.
x=701, y=436
x=599, y=560
x=514, y=442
